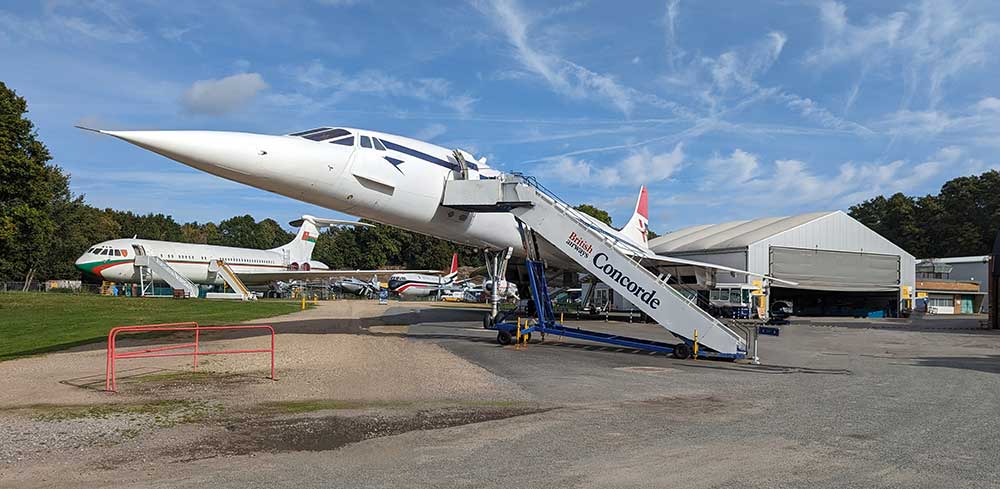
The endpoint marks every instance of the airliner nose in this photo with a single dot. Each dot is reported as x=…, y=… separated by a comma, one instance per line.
x=232, y=155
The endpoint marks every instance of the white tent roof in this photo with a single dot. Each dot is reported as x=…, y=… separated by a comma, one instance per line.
x=729, y=235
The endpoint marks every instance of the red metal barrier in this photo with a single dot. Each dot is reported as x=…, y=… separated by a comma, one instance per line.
x=113, y=355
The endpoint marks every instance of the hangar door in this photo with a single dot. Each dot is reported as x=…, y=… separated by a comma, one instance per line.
x=836, y=270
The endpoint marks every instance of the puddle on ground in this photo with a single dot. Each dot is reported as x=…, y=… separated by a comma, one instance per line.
x=320, y=433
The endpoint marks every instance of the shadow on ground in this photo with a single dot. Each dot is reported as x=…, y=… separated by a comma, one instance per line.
x=989, y=364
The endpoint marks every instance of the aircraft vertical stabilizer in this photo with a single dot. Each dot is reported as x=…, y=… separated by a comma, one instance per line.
x=637, y=227
x=300, y=249
x=453, y=270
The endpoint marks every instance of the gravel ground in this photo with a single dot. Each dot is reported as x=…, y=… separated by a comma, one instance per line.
x=839, y=406
x=54, y=405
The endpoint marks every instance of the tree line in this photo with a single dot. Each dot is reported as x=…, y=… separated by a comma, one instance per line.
x=960, y=220
x=44, y=227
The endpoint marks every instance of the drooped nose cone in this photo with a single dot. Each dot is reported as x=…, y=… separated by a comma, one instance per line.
x=228, y=154
x=79, y=263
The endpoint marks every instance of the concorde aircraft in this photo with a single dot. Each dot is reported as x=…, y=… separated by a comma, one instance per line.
x=383, y=177
x=113, y=260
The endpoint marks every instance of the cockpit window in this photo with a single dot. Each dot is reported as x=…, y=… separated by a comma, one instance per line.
x=118, y=252
x=378, y=144
x=348, y=141
x=303, y=133
x=366, y=142
x=328, y=134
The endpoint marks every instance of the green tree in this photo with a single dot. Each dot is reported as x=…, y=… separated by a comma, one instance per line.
x=599, y=214
x=30, y=191
x=896, y=219
x=962, y=219
x=79, y=226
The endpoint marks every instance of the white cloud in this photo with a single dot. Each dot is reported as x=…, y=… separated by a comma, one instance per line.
x=223, y=95
x=639, y=167
x=737, y=168
x=989, y=103
x=793, y=182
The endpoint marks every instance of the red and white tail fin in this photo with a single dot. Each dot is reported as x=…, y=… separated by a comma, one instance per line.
x=453, y=271
x=636, y=227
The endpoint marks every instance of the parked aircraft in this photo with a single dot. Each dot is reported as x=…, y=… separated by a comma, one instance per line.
x=423, y=285
x=383, y=177
x=114, y=260
x=356, y=286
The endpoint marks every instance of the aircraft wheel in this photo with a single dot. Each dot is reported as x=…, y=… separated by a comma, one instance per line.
x=682, y=351
x=504, y=337
x=488, y=321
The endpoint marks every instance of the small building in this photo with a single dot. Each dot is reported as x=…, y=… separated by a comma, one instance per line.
x=954, y=285
x=838, y=265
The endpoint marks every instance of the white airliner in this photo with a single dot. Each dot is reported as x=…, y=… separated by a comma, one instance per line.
x=113, y=260
x=383, y=177
x=423, y=285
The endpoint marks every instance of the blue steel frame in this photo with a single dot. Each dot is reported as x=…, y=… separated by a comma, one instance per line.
x=547, y=323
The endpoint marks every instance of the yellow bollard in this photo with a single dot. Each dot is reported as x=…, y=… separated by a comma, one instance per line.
x=303, y=302
x=696, y=344
x=315, y=300
x=562, y=315
x=517, y=339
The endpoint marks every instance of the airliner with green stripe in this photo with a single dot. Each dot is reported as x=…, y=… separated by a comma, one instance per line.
x=114, y=260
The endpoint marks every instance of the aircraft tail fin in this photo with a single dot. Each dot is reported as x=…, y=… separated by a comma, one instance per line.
x=453, y=271
x=301, y=247
x=638, y=225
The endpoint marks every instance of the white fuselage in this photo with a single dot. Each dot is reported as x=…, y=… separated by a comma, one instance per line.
x=114, y=260
x=401, y=185
x=417, y=284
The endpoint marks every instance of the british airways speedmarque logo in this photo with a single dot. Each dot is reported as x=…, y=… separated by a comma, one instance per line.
x=395, y=162
x=579, y=244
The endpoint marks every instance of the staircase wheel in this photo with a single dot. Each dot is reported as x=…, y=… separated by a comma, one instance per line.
x=682, y=351
x=504, y=337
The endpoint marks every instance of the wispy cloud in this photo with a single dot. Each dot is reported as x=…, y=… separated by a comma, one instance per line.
x=62, y=21
x=429, y=132
x=933, y=42
x=563, y=76
x=318, y=77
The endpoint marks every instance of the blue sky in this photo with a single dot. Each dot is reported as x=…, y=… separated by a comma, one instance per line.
x=726, y=110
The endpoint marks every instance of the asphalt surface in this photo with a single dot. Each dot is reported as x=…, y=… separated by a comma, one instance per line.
x=837, y=404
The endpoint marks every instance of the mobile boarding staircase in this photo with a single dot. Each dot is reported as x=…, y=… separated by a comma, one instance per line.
x=603, y=255
x=154, y=267
x=240, y=290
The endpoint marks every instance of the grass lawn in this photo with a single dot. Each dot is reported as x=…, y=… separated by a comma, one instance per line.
x=33, y=322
